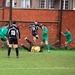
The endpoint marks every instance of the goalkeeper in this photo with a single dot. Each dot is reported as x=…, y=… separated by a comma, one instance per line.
x=32, y=48
x=68, y=36
x=3, y=34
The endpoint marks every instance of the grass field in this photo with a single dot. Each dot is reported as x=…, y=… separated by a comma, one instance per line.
x=57, y=62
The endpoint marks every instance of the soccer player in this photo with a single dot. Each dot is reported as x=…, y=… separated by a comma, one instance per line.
x=45, y=37
x=3, y=34
x=13, y=36
x=32, y=48
x=68, y=36
x=34, y=29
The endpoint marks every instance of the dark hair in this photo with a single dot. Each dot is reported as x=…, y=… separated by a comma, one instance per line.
x=14, y=22
x=68, y=29
x=6, y=24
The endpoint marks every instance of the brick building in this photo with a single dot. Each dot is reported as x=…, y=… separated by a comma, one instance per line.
x=45, y=11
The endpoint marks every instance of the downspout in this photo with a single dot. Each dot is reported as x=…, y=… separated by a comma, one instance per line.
x=60, y=23
x=10, y=13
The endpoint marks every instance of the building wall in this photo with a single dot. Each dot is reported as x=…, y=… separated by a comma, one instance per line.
x=25, y=17
x=1, y=3
x=35, y=4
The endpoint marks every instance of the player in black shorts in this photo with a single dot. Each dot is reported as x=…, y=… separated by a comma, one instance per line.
x=13, y=36
x=34, y=29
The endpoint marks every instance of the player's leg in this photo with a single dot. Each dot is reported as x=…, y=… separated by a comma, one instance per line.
x=42, y=42
x=31, y=44
x=26, y=48
x=46, y=42
x=48, y=46
x=66, y=44
x=15, y=41
x=10, y=46
x=65, y=47
x=3, y=38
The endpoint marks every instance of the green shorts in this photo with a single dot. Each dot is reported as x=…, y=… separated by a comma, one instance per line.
x=68, y=41
x=2, y=37
x=44, y=39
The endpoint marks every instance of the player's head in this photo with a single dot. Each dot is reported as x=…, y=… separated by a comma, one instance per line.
x=14, y=22
x=67, y=29
x=7, y=25
x=43, y=26
x=36, y=22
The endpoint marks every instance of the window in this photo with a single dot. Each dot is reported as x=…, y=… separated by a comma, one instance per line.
x=73, y=4
x=51, y=4
x=43, y=4
x=65, y=4
x=25, y=3
x=7, y=3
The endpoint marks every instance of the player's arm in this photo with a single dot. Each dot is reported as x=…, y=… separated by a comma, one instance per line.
x=62, y=33
x=40, y=26
x=18, y=32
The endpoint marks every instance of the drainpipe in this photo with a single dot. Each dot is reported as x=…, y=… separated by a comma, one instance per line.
x=60, y=23
x=10, y=13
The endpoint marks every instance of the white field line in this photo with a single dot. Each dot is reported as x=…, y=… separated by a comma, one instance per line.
x=52, y=68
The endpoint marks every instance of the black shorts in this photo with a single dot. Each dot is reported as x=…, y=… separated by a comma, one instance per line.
x=35, y=34
x=13, y=41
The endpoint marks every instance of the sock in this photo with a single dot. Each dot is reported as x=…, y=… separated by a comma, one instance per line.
x=48, y=47
x=9, y=50
x=65, y=47
x=3, y=44
x=17, y=52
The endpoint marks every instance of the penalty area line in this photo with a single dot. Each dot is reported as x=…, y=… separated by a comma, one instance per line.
x=52, y=68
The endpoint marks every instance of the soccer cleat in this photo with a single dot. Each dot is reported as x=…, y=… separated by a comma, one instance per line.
x=17, y=56
x=25, y=38
x=8, y=56
x=48, y=51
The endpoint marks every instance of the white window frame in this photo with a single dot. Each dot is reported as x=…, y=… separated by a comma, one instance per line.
x=51, y=4
x=25, y=3
x=73, y=4
x=44, y=4
x=64, y=4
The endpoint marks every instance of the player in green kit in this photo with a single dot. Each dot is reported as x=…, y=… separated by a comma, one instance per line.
x=3, y=34
x=45, y=37
x=68, y=36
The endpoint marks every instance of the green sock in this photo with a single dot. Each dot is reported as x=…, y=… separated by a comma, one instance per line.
x=3, y=44
x=48, y=47
x=65, y=47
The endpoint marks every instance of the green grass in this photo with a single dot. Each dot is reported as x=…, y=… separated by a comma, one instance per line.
x=57, y=62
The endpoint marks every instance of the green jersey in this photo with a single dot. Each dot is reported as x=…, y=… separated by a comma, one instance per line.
x=4, y=30
x=68, y=35
x=45, y=32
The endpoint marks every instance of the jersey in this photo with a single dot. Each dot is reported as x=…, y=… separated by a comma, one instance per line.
x=13, y=31
x=34, y=28
x=45, y=32
x=68, y=35
x=35, y=49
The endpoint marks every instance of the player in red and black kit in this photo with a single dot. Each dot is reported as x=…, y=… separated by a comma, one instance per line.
x=13, y=36
x=34, y=29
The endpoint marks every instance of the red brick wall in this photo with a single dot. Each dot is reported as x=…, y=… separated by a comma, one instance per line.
x=48, y=17
x=1, y=3
x=1, y=14
x=69, y=22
